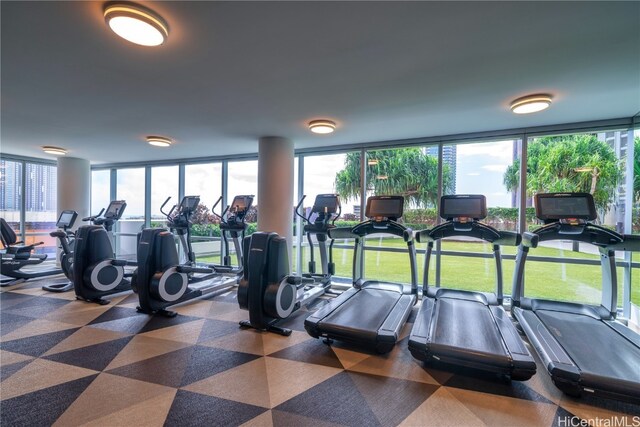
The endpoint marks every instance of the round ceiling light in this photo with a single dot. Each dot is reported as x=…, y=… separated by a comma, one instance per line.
x=57, y=151
x=322, y=126
x=136, y=24
x=531, y=104
x=159, y=141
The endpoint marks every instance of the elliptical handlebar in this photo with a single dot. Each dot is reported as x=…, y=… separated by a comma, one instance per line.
x=297, y=211
x=92, y=218
x=163, y=205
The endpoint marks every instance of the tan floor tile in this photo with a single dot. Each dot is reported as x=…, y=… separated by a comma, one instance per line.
x=541, y=383
x=288, y=378
x=85, y=337
x=582, y=410
x=37, y=327
x=9, y=358
x=77, y=314
x=262, y=420
x=141, y=348
x=349, y=358
x=199, y=309
x=41, y=374
x=442, y=409
x=68, y=296
x=393, y=365
x=185, y=332
x=289, y=419
x=109, y=394
x=248, y=341
x=232, y=313
x=249, y=384
x=149, y=413
x=498, y=410
x=275, y=342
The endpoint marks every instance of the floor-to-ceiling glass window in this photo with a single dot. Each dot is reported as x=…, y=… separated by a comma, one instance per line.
x=491, y=169
x=592, y=163
x=164, y=184
x=100, y=190
x=634, y=160
x=11, y=193
x=130, y=186
x=40, y=206
x=242, y=179
x=321, y=175
x=205, y=180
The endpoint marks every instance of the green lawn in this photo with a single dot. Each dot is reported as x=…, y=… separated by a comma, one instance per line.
x=558, y=281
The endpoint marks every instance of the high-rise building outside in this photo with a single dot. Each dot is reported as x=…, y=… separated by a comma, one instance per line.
x=448, y=158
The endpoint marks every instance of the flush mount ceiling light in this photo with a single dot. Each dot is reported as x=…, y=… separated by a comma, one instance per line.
x=57, y=151
x=159, y=141
x=322, y=126
x=531, y=104
x=136, y=23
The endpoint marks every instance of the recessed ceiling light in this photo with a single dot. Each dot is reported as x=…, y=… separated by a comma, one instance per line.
x=136, y=23
x=322, y=126
x=49, y=149
x=531, y=104
x=159, y=141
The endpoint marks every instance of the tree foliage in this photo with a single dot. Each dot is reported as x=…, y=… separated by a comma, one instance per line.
x=569, y=163
x=407, y=172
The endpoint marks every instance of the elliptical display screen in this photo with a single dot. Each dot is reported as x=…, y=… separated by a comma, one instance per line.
x=326, y=203
x=67, y=218
x=189, y=203
x=241, y=203
x=115, y=209
x=555, y=206
x=463, y=206
x=384, y=207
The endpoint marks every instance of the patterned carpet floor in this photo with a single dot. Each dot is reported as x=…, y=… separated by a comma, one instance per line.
x=69, y=363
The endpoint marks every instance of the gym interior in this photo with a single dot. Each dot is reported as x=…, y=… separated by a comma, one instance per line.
x=320, y=213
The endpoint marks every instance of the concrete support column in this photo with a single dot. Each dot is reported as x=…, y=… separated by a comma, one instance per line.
x=275, y=186
x=74, y=186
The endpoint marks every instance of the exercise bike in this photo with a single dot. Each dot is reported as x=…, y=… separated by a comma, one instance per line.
x=66, y=239
x=96, y=271
x=267, y=290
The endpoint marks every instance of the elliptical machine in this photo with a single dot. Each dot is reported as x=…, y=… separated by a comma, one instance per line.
x=96, y=272
x=266, y=289
x=66, y=239
x=232, y=224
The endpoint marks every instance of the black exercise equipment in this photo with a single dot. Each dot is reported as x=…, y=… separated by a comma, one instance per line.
x=584, y=348
x=372, y=313
x=96, y=272
x=17, y=256
x=232, y=225
x=161, y=281
x=468, y=328
x=66, y=239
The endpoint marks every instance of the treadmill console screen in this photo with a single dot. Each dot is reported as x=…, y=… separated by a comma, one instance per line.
x=330, y=202
x=66, y=219
x=384, y=207
x=554, y=206
x=463, y=206
x=189, y=203
x=241, y=203
x=115, y=209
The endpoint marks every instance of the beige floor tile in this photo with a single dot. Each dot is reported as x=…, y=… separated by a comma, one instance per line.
x=582, y=410
x=9, y=358
x=37, y=327
x=349, y=358
x=149, y=413
x=185, y=332
x=41, y=374
x=498, y=410
x=262, y=420
x=198, y=308
x=232, y=313
x=77, y=314
x=109, y=394
x=85, y=337
x=249, y=384
x=541, y=383
x=288, y=419
x=442, y=409
x=69, y=296
x=248, y=341
x=288, y=378
x=141, y=348
x=275, y=342
x=392, y=365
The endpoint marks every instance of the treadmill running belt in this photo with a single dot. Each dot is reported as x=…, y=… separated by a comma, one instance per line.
x=595, y=347
x=467, y=325
x=363, y=314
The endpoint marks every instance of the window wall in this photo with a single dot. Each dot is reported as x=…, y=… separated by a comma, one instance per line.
x=100, y=190
x=130, y=187
x=164, y=184
x=11, y=193
x=633, y=152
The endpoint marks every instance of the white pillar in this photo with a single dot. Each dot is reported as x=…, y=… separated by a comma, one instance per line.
x=74, y=186
x=275, y=186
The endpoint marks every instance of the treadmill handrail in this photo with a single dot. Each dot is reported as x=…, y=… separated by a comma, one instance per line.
x=587, y=233
x=370, y=227
x=630, y=243
x=342, y=233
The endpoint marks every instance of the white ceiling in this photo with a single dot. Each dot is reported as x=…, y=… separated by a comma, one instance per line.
x=231, y=72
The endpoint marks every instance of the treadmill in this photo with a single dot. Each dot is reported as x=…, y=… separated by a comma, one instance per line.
x=584, y=348
x=372, y=313
x=468, y=328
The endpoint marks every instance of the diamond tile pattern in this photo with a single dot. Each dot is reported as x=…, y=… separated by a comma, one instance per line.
x=67, y=363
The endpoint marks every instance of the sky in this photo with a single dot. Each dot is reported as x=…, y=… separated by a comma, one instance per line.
x=480, y=169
